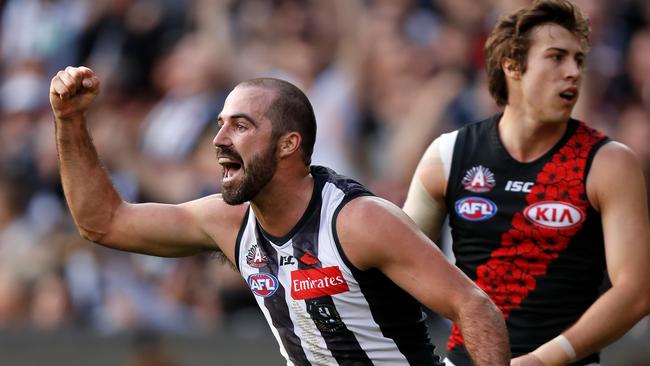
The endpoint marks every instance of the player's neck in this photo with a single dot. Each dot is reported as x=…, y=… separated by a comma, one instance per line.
x=282, y=203
x=525, y=138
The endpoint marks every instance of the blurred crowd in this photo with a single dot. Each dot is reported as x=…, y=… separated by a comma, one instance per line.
x=385, y=78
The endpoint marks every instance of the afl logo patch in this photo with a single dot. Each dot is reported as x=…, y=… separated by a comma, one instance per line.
x=478, y=179
x=475, y=208
x=554, y=214
x=263, y=284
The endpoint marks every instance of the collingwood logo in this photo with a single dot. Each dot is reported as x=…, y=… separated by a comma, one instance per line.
x=255, y=257
x=325, y=316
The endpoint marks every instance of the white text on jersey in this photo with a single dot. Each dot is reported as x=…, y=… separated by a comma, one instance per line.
x=518, y=186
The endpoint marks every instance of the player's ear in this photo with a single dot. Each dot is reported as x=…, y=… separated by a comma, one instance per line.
x=511, y=68
x=289, y=143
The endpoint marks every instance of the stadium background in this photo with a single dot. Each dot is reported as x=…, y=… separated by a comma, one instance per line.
x=385, y=78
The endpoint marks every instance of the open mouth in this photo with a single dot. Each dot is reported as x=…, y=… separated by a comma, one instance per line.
x=569, y=95
x=231, y=167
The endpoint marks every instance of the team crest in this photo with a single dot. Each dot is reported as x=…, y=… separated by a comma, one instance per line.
x=478, y=179
x=256, y=258
x=325, y=316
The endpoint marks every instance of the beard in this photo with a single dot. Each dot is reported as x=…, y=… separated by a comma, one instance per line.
x=257, y=174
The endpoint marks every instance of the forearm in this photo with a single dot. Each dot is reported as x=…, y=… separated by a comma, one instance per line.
x=622, y=307
x=89, y=192
x=484, y=332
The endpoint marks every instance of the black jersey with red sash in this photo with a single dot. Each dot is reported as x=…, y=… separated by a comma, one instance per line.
x=526, y=232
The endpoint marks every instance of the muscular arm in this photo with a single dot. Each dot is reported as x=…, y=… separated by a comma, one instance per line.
x=393, y=244
x=98, y=210
x=617, y=190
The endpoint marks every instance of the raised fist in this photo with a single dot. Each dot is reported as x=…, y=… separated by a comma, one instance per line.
x=72, y=90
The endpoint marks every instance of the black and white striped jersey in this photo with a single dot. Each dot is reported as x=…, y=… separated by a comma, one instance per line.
x=321, y=309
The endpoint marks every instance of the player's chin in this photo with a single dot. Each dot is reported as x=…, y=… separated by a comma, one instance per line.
x=229, y=184
x=566, y=103
x=231, y=195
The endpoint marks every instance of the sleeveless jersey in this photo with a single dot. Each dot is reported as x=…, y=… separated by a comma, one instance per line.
x=322, y=310
x=525, y=232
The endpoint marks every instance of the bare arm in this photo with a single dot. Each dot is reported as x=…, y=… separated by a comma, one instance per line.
x=394, y=245
x=425, y=202
x=616, y=188
x=98, y=210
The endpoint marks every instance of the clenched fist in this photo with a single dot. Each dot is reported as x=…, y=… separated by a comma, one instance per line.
x=72, y=90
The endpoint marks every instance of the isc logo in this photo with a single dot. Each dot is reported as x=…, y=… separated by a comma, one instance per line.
x=263, y=284
x=553, y=214
x=518, y=186
x=475, y=208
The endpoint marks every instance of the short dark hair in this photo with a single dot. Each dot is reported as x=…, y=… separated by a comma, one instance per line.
x=511, y=38
x=290, y=111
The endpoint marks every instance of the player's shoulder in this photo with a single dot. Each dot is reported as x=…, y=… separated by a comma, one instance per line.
x=614, y=154
x=362, y=205
x=368, y=211
x=367, y=227
x=441, y=143
x=614, y=166
x=616, y=174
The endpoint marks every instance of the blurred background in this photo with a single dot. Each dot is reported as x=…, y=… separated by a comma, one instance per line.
x=385, y=78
